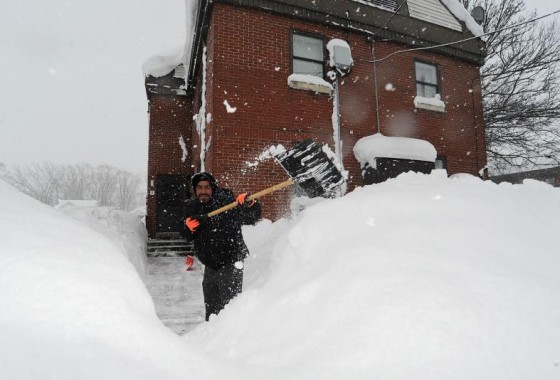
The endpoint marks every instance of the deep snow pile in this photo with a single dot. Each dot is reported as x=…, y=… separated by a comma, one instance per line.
x=420, y=277
x=423, y=276
x=124, y=229
x=74, y=307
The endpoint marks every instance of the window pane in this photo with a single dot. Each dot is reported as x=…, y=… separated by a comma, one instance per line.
x=306, y=67
x=425, y=90
x=308, y=47
x=426, y=73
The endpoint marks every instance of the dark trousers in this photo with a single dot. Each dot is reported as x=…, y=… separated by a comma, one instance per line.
x=220, y=286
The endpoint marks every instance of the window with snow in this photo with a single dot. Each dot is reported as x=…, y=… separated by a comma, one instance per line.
x=308, y=54
x=427, y=79
x=427, y=87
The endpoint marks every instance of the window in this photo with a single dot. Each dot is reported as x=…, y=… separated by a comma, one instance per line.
x=427, y=79
x=390, y=5
x=440, y=163
x=307, y=55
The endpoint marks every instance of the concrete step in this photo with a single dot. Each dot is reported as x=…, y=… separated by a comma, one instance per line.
x=168, y=247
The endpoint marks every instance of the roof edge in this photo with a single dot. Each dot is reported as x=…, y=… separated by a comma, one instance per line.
x=374, y=24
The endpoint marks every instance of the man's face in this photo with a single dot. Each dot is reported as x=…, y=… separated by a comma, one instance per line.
x=203, y=191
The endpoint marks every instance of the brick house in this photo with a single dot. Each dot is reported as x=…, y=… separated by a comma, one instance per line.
x=235, y=94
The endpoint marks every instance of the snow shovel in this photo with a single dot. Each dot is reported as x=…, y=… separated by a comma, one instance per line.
x=309, y=167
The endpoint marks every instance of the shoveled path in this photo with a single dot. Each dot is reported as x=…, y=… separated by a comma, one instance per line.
x=177, y=293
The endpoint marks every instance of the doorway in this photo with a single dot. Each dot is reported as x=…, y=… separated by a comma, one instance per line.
x=172, y=194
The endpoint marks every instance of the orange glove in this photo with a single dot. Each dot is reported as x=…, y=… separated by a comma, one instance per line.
x=190, y=262
x=192, y=224
x=241, y=199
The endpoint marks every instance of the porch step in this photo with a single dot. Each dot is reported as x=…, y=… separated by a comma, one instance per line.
x=168, y=247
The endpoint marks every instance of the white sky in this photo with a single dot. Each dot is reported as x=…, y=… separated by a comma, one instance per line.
x=71, y=72
x=543, y=6
x=421, y=276
x=72, y=82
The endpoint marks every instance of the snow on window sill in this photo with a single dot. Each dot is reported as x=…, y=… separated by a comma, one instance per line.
x=309, y=83
x=429, y=104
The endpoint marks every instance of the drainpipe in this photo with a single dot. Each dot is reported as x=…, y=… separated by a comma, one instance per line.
x=375, y=83
x=340, y=60
x=336, y=122
x=201, y=121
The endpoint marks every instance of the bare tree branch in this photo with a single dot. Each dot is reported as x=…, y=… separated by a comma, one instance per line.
x=520, y=87
x=48, y=183
x=40, y=181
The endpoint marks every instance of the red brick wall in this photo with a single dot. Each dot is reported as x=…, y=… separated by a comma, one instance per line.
x=248, y=65
x=167, y=123
x=456, y=134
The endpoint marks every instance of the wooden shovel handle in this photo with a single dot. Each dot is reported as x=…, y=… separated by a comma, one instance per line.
x=253, y=196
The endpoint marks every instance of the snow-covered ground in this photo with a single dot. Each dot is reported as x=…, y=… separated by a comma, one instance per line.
x=423, y=276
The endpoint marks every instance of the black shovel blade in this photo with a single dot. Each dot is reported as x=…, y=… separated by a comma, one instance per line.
x=312, y=169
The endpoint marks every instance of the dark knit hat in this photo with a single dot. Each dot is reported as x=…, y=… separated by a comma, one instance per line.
x=203, y=176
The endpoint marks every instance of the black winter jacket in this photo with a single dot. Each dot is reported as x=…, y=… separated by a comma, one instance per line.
x=219, y=240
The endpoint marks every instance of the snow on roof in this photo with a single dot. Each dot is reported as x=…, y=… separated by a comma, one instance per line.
x=368, y=148
x=163, y=63
x=462, y=14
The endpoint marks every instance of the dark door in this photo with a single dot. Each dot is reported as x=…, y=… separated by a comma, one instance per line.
x=172, y=193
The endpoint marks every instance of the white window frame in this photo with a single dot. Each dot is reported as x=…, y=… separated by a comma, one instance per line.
x=319, y=61
x=428, y=101
x=308, y=80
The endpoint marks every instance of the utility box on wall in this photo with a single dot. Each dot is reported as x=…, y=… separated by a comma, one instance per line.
x=392, y=167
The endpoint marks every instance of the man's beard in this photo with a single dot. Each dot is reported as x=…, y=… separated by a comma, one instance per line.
x=204, y=198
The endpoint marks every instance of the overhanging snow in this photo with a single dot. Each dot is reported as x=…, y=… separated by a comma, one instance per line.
x=368, y=148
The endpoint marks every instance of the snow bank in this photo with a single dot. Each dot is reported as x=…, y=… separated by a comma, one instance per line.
x=422, y=276
x=124, y=229
x=73, y=307
x=419, y=277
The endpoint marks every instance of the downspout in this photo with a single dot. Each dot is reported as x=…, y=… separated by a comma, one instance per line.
x=340, y=66
x=375, y=84
x=201, y=117
x=482, y=172
x=199, y=37
x=474, y=124
x=336, y=122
